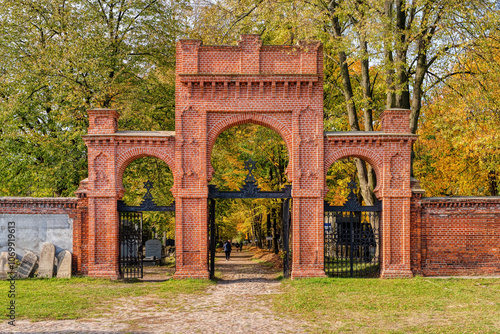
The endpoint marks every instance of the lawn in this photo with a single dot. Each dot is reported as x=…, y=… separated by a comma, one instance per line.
x=330, y=305
x=419, y=305
x=80, y=297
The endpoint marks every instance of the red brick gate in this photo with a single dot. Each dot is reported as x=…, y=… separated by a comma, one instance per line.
x=217, y=87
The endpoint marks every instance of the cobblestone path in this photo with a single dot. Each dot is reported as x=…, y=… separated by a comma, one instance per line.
x=240, y=302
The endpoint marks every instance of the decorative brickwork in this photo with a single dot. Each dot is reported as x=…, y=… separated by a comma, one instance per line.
x=455, y=236
x=109, y=153
x=217, y=87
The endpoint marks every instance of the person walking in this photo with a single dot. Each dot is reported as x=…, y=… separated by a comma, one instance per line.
x=227, y=249
x=241, y=246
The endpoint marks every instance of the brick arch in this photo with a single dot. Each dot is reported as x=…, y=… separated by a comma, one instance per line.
x=369, y=156
x=259, y=119
x=125, y=158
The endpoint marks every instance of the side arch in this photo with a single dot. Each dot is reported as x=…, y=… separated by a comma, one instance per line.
x=125, y=158
x=244, y=118
x=369, y=156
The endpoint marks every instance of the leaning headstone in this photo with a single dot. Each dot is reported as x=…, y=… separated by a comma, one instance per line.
x=47, y=258
x=4, y=265
x=64, y=264
x=27, y=266
x=153, y=248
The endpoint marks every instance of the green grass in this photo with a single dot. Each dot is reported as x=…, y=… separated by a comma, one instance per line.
x=42, y=299
x=419, y=305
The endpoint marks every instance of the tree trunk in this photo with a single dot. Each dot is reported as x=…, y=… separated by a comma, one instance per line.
x=366, y=175
x=346, y=79
x=275, y=232
x=389, y=61
x=493, y=183
x=402, y=84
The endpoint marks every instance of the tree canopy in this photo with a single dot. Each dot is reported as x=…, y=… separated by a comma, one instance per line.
x=440, y=59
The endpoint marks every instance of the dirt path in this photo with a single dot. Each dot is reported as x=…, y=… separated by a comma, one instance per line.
x=240, y=302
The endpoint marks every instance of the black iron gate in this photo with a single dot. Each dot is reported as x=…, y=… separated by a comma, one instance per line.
x=250, y=189
x=131, y=252
x=352, y=243
x=131, y=244
x=286, y=235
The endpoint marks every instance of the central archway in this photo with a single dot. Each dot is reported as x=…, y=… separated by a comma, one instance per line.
x=225, y=123
x=246, y=156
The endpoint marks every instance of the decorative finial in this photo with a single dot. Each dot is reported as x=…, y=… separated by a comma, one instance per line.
x=148, y=185
x=250, y=165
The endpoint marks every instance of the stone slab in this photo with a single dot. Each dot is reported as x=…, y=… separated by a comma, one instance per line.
x=47, y=261
x=27, y=266
x=33, y=230
x=64, y=264
x=4, y=265
x=153, y=248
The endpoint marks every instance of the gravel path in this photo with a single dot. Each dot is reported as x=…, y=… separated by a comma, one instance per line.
x=238, y=303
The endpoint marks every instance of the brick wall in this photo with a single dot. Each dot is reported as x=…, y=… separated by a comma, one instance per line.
x=455, y=236
x=70, y=206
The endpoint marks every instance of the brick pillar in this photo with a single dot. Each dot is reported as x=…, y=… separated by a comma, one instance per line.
x=307, y=192
x=103, y=192
x=190, y=189
x=396, y=196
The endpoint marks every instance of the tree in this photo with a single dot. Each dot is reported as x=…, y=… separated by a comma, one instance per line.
x=401, y=48
x=59, y=58
x=459, y=149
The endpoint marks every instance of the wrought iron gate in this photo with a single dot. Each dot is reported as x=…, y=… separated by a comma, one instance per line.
x=352, y=243
x=250, y=189
x=130, y=264
x=131, y=244
x=286, y=229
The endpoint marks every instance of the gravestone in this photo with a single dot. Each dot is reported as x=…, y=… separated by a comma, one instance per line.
x=27, y=266
x=153, y=248
x=64, y=264
x=4, y=265
x=47, y=258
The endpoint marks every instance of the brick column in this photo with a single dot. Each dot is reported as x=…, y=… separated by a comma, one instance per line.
x=307, y=192
x=396, y=196
x=103, y=243
x=190, y=179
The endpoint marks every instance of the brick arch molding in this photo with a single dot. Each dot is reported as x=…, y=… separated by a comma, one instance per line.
x=231, y=121
x=127, y=157
x=369, y=156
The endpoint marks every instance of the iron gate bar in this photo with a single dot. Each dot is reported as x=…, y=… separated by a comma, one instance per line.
x=130, y=264
x=286, y=237
x=351, y=232
x=212, y=237
x=250, y=189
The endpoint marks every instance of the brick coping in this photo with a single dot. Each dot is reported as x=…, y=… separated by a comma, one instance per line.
x=461, y=199
x=135, y=134
x=37, y=199
x=366, y=133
